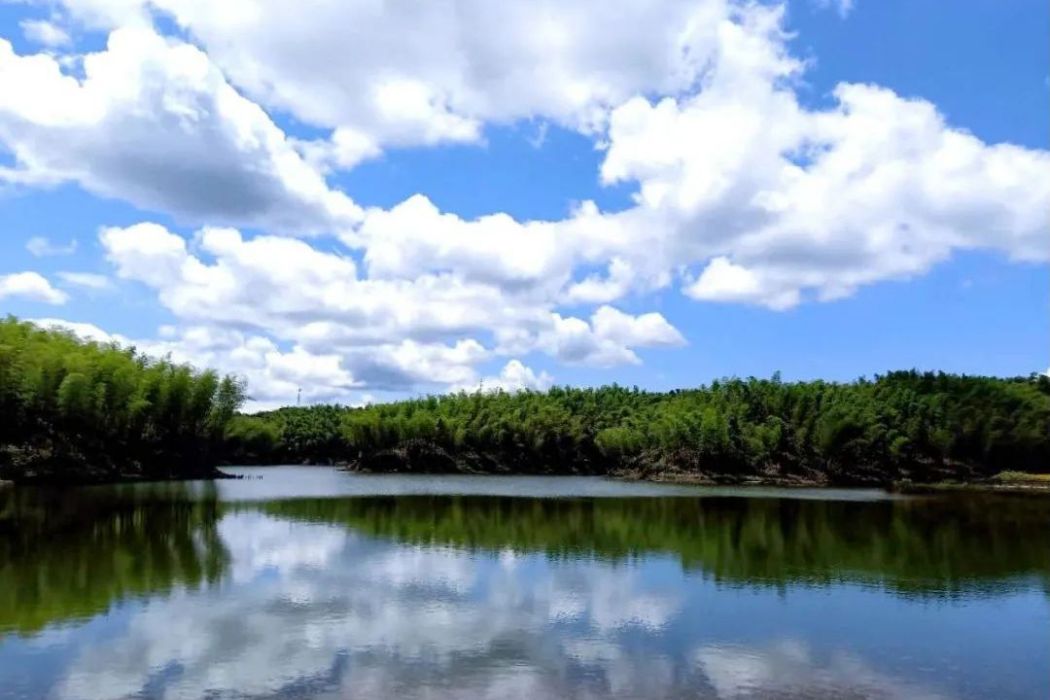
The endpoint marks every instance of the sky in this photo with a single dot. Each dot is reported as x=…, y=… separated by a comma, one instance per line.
x=364, y=201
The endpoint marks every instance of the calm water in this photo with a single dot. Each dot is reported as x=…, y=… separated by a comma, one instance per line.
x=312, y=583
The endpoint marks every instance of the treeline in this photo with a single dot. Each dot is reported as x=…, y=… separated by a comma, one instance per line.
x=903, y=425
x=83, y=411
x=72, y=410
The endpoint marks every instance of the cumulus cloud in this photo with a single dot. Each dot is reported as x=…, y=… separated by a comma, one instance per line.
x=775, y=201
x=414, y=76
x=607, y=339
x=31, y=286
x=621, y=277
x=415, y=238
x=743, y=194
x=760, y=199
x=423, y=329
x=721, y=280
x=154, y=122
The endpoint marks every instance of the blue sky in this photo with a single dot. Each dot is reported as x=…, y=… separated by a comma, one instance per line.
x=734, y=211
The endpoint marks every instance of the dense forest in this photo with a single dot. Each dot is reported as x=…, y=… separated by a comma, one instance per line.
x=900, y=426
x=81, y=411
x=74, y=410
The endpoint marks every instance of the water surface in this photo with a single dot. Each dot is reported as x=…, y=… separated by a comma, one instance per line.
x=313, y=583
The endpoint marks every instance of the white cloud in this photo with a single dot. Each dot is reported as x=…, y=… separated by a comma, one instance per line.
x=608, y=339
x=618, y=280
x=421, y=330
x=395, y=75
x=535, y=259
x=743, y=193
x=778, y=203
x=415, y=238
x=31, y=286
x=41, y=246
x=154, y=122
x=647, y=330
x=721, y=280
x=730, y=168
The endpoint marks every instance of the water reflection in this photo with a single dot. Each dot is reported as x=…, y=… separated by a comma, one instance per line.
x=355, y=618
x=64, y=556
x=789, y=669
x=921, y=546
x=472, y=597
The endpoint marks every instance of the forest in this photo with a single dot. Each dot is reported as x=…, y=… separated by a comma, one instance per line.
x=900, y=426
x=78, y=411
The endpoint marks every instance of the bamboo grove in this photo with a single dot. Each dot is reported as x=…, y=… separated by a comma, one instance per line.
x=84, y=411
x=901, y=425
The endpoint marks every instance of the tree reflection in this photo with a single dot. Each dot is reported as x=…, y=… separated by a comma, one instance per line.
x=67, y=555
x=71, y=554
x=921, y=546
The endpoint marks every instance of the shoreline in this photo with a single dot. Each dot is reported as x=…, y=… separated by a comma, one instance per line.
x=1016, y=484
x=1025, y=489
x=55, y=482
x=1036, y=486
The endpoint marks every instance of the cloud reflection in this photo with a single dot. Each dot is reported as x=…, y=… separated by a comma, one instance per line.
x=789, y=669
x=312, y=610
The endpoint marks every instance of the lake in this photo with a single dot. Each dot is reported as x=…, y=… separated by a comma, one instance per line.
x=303, y=582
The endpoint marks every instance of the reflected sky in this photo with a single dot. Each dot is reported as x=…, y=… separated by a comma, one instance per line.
x=313, y=609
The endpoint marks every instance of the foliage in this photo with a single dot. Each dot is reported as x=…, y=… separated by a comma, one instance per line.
x=79, y=410
x=900, y=425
